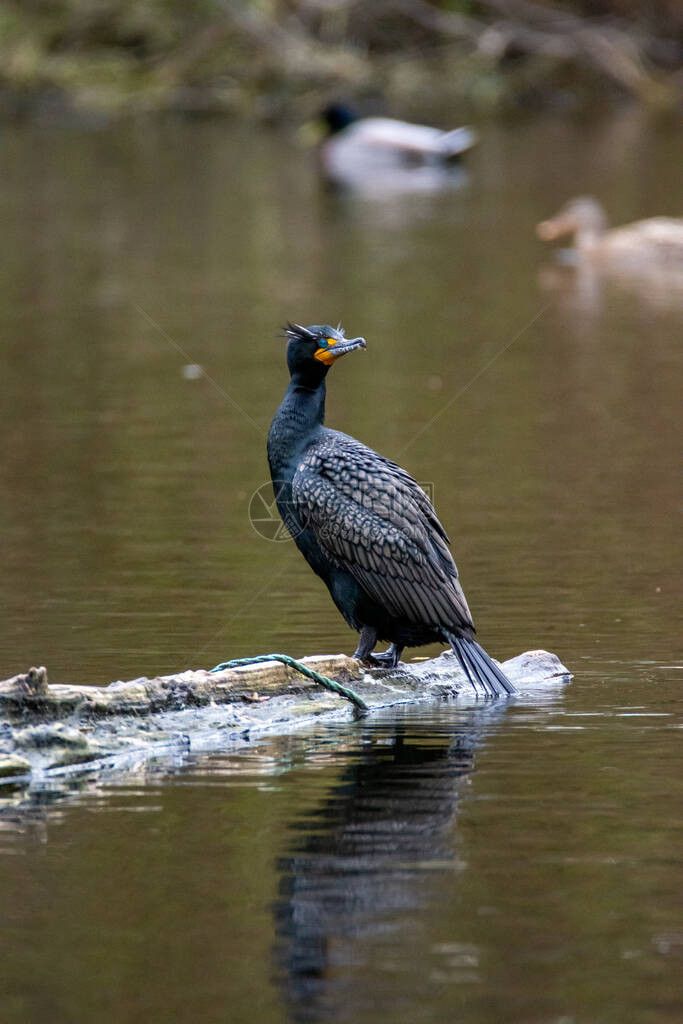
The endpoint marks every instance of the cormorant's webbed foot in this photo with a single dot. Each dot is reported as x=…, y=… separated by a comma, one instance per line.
x=366, y=644
x=389, y=659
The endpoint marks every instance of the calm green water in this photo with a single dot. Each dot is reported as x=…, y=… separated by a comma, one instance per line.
x=511, y=865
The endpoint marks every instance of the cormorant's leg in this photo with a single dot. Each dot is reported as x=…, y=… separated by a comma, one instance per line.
x=390, y=658
x=366, y=644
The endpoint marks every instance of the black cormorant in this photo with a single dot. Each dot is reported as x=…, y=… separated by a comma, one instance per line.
x=364, y=525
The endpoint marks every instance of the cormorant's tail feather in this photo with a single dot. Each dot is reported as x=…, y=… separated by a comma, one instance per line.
x=482, y=671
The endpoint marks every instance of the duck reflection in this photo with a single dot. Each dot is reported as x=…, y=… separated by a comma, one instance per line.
x=369, y=860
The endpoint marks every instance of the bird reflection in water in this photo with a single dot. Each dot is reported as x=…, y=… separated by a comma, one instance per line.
x=368, y=863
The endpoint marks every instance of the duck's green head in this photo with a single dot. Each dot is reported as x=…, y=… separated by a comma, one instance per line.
x=317, y=347
x=338, y=116
x=333, y=119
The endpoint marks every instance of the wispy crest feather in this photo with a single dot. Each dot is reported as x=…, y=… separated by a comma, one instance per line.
x=296, y=331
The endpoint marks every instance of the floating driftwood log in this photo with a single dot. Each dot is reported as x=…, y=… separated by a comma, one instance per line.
x=48, y=731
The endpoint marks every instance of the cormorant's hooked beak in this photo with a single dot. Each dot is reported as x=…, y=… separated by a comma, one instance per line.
x=337, y=347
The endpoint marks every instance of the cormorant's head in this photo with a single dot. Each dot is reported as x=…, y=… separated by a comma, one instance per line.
x=312, y=350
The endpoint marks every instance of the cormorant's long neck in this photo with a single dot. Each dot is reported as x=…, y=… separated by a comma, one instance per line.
x=295, y=424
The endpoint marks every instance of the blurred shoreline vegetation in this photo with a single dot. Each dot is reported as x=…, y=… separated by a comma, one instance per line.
x=279, y=60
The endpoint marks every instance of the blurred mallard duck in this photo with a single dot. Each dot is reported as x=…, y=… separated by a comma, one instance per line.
x=645, y=242
x=386, y=154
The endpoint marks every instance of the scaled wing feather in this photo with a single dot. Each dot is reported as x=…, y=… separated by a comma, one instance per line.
x=374, y=520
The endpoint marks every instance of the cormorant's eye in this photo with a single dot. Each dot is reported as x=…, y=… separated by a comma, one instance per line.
x=323, y=342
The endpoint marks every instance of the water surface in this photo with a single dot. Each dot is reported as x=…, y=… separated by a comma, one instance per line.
x=499, y=865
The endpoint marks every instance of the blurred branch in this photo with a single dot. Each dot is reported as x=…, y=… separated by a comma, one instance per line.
x=291, y=49
x=445, y=23
x=159, y=53
x=547, y=29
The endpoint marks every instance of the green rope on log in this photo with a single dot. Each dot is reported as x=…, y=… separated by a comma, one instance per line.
x=329, y=684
